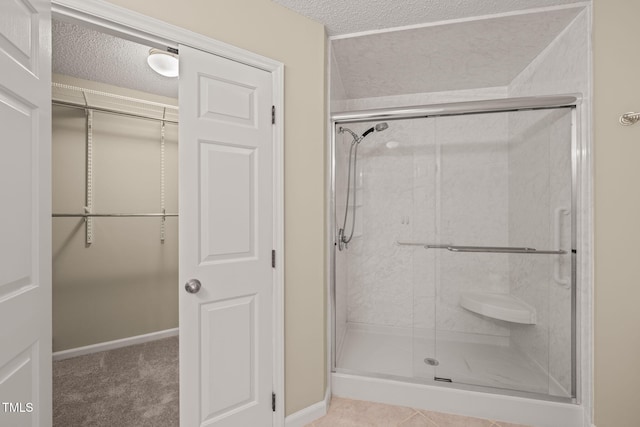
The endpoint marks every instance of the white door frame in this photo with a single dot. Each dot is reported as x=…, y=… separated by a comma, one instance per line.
x=134, y=26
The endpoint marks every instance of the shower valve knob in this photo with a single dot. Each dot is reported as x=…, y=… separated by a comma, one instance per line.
x=193, y=286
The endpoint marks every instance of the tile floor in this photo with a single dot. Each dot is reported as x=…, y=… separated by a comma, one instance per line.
x=358, y=413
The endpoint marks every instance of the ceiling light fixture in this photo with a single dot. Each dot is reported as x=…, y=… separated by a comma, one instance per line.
x=163, y=63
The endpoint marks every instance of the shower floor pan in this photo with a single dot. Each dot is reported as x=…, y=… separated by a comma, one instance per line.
x=462, y=358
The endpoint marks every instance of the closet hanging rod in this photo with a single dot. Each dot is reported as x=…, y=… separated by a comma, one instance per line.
x=87, y=215
x=111, y=111
x=496, y=249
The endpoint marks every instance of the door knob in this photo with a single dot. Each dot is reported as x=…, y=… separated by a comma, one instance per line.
x=193, y=286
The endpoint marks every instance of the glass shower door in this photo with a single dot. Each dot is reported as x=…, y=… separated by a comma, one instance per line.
x=501, y=254
x=424, y=196
x=374, y=274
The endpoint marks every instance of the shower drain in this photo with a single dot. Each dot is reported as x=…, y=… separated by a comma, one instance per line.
x=430, y=361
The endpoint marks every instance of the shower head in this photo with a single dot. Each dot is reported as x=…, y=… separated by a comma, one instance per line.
x=378, y=128
x=356, y=139
x=345, y=237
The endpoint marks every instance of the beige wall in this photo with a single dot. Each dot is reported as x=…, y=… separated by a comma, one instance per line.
x=266, y=28
x=617, y=214
x=124, y=284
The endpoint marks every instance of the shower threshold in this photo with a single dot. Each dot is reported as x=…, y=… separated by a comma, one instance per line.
x=464, y=358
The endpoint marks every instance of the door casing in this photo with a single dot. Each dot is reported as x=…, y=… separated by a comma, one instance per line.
x=140, y=28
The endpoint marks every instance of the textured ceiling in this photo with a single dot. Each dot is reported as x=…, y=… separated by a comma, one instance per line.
x=87, y=54
x=90, y=55
x=351, y=16
x=474, y=54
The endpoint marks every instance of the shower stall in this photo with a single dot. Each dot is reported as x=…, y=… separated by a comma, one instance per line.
x=460, y=223
x=461, y=263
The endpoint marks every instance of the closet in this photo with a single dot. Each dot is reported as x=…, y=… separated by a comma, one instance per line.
x=114, y=215
x=114, y=233
x=116, y=238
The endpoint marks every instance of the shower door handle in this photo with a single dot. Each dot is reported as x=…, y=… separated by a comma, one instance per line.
x=557, y=274
x=193, y=286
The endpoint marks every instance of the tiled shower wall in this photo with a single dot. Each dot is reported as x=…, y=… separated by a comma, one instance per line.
x=445, y=182
x=389, y=285
x=380, y=272
x=473, y=211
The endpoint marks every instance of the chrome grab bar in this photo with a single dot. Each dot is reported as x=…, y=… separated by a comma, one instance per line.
x=90, y=215
x=401, y=243
x=495, y=249
x=489, y=249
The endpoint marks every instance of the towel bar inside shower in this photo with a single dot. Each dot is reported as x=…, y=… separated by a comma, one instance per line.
x=486, y=249
x=88, y=215
x=496, y=249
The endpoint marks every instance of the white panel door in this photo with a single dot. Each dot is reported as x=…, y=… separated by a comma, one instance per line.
x=25, y=213
x=226, y=238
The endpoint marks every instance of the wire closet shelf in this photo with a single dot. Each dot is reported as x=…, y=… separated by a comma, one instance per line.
x=91, y=101
x=88, y=99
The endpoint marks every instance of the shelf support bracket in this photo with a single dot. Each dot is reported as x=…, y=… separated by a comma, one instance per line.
x=162, y=176
x=89, y=179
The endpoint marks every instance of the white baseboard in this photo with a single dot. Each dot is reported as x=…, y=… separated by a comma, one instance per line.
x=110, y=345
x=310, y=413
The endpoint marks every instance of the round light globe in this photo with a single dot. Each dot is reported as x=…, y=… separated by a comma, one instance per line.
x=163, y=63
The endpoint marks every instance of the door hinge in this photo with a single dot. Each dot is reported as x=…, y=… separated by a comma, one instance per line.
x=273, y=258
x=273, y=114
x=273, y=402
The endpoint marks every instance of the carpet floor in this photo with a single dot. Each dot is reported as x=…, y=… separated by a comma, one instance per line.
x=135, y=386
